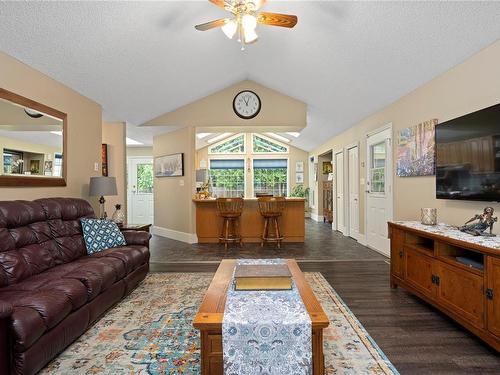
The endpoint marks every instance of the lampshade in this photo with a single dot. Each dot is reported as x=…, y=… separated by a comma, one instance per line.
x=102, y=186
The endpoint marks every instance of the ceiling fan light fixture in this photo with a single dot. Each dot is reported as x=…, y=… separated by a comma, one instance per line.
x=250, y=35
x=249, y=22
x=230, y=28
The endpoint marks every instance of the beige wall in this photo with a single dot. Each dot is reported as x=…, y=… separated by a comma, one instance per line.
x=216, y=111
x=84, y=127
x=113, y=133
x=470, y=86
x=293, y=156
x=139, y=151
x=174, y=209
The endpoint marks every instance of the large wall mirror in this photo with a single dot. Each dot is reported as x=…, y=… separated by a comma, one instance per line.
x=32, y=140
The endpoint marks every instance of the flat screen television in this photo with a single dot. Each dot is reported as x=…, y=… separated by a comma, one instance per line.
x=468, y=157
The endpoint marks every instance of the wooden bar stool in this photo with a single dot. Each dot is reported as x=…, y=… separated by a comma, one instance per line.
x=271, y=208
x=230, y=210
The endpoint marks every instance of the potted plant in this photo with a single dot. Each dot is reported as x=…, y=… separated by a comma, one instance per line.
x=299, y=191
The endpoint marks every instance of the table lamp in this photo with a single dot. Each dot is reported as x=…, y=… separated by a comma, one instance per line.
x=102, y=186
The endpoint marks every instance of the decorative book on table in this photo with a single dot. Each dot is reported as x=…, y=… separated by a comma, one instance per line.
x=262, y=277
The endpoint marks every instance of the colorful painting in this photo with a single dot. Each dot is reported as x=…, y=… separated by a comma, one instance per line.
x=169, y=165
x=416, y=150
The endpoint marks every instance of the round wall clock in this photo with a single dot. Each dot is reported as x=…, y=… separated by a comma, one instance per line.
x=246, y=104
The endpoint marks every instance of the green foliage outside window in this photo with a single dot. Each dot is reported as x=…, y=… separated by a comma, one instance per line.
x=270, y=180
x=228, y=182
x=145, y=178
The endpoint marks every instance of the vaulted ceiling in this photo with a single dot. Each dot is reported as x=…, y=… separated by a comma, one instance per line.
x=346, y=60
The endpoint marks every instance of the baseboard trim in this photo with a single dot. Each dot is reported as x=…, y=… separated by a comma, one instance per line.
x=361, y=239
x=175, y=235
x=315, y=217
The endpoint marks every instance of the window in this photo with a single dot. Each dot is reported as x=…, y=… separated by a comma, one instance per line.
x=262, y=145
x=270, y=176
x=144, y=178
x=227, y=177
x=233, y=145
x=58, y=160
x=12, y=162
x=377, y=168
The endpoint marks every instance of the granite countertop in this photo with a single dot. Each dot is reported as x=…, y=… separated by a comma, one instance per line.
x=452, y=232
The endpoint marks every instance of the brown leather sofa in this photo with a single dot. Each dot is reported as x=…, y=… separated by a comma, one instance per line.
x=51, y=291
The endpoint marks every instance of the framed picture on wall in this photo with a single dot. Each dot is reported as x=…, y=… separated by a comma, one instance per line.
x=299, y=166
x=315, y=171
x=169, y=165
x=327, y=167
x=299, y=177
x=104, y=159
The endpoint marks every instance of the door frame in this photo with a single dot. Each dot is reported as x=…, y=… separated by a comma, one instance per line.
x=335, y=225
x=347, y=172
x=129, y=193
x=389, y=180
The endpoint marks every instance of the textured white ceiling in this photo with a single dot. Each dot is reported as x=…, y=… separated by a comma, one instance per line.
x=346, y=60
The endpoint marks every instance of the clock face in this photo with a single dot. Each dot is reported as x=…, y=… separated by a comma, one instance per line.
x=246, y=104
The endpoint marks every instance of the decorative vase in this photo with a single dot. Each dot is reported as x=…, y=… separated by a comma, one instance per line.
x=429, y=216
x=118, y=216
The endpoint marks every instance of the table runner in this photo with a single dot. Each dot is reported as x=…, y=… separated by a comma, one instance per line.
x=266, y=332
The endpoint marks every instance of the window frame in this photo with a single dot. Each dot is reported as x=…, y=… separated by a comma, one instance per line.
x=269, y=139
x=269, y=156
x=231, y=157
x=230, y=138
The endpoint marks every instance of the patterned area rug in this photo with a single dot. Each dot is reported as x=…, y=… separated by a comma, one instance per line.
x=150, y=332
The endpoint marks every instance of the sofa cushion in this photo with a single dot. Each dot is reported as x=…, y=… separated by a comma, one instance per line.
x=131, y=256
x=36, y=236
x=35, y=312
x=100, y=235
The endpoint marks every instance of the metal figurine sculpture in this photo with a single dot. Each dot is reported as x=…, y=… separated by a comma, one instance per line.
x=484, y=221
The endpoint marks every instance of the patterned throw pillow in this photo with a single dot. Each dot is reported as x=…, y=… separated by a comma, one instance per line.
x=100, y=235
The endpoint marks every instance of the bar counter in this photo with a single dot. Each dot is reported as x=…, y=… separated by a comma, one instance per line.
x=209, y=223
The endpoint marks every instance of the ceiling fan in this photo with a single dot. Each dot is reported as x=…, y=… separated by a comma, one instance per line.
x=244, y=20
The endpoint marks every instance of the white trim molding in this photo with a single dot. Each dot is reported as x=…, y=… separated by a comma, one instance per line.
x=175, y=235
x=315, y=217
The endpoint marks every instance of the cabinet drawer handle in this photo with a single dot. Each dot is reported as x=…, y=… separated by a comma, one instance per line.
x=400, y=253
x=489, y=293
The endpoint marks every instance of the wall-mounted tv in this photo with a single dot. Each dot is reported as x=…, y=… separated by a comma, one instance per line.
x=468, y=157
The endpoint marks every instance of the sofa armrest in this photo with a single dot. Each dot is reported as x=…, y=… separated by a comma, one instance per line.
x=133, y=237
x=5, y=309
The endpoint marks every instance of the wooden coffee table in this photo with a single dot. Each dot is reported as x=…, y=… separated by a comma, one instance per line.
x=209, y=318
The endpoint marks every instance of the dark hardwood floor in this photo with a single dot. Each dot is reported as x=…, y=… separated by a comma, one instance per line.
x=416, y=338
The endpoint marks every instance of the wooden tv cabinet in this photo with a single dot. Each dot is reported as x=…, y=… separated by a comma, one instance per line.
x=423, y=261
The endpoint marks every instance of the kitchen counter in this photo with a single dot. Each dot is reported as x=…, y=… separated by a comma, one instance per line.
x=209, y=223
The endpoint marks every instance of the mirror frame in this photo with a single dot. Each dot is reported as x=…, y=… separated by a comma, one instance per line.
x=27, y=181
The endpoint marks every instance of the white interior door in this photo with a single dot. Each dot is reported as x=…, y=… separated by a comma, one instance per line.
x=353, y=187
x=379, y=190
x=140, y=190
x=339, y=192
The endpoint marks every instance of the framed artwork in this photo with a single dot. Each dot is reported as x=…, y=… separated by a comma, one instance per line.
x=327, y=167
x=47, y=167
x=299, y=166
x=315, y=171
x=169, y=165
x=104, y=159
x=299, y=177
x=416, y=150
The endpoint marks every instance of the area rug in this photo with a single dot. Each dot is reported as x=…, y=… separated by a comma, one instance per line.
x=150, y=332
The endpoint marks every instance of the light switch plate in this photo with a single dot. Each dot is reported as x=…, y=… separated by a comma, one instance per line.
x=361, y=181
x=96, y=167
x=181, y=182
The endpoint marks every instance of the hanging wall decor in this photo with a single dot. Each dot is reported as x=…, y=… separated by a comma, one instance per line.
x=104, y=159
x=416, y=151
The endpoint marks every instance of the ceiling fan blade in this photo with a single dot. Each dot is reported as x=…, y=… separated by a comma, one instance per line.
x=221, y=3
x=211, y=24
x=276, y=19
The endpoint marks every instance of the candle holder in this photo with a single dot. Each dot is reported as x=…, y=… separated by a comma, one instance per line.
x=429, y=216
